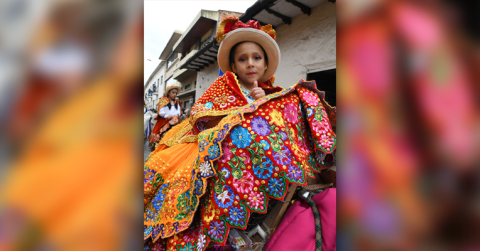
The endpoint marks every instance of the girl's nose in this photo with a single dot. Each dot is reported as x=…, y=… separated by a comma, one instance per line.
x=250, y=62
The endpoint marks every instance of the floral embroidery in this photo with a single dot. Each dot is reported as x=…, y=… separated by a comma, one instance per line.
x=317, y=126
x=326, y=142
x=240, y=137
x=283, y=134
x=205, y=169
x=148, y=175
x=291, y=113
x=264, y=170
x=225, y=199
x=187, y=247
x=260, y=126
x=277, y=118
x=245, y=158
x=310, y=98
x=159, y=198
x=275, y=187
x=244, y=184
x=214, y=151
x=208, y=105
x=236, y=215
x=231, y=99
x=283, y=157
x=309, y=112
x=201, y=242
x=227, y=154
x=255, y=200
x=265, y=145
x=246, y=93
x=217, y=229
x=295, y=173
x=225, y=172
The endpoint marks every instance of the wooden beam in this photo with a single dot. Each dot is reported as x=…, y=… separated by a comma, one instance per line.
x=206, y=59
x=305, y=9
x=285, y=19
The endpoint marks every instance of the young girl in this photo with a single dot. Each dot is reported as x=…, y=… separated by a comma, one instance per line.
x=246, y=141
x=168, y=114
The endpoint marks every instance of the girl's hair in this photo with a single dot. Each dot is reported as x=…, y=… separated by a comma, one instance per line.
x=231, y=56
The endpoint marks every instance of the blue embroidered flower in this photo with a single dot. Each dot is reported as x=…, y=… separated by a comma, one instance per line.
x=225, y=172
x=236, y=216
x=240, y=137
x=283, y=157
x=148, y=175
x=187, y=247
x=224, y=199
x=159, y=197
x=264, y=170
x=147, y=230
x=275, y=187
x=309, y=112
x=283, y=134
x=150, y=214
x=202, y=145
x=221, y=134
x=295, y=173
x=198, y=187
x=217, y=229
x=208, y=105
x=214, y=151
x=260, y=126
x=265, y=144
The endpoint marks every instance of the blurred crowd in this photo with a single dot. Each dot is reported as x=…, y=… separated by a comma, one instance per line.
x=71, y=125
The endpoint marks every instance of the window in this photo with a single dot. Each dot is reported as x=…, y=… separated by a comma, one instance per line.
x=171, y=59
x=187, y=86
x=328, y=80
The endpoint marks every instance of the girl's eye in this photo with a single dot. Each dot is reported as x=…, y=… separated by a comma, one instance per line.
x=258, y=57
x=241, y=59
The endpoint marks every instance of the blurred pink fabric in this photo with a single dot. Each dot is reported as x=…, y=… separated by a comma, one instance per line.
x=297, y=228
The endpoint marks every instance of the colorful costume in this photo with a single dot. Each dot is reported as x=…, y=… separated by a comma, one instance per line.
x=163, y=124
x=201, y=182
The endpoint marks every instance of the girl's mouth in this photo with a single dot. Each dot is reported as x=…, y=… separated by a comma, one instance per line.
x=251, y=73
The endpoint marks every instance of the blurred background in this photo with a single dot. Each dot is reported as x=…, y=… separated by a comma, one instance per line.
x=71, y=87
x=408, y=84
x=71, y=135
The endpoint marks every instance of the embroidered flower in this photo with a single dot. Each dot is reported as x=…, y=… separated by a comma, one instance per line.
x=159, y=197
x=317, y=126
x=295, y=173
x=255, y=200
x=326, y=142
x=208, y=105
x=264, y=170
x=158, y=246
x=309, y=112
x=245, y=157
x=275, y=186
x=198, y=187
x=217, y=229
x=283, y=134
x=214, y=151
x=205, y=169
x=283, y=157
x=221, y=134
x=231, y=99
x=225, y=172
x=240, y=137
x=148, y=175
x=225, y=199
x=260, y=126
x=201, y=242
x=291, y=113
x=227, y=154
x=236, y=215
x=265, y=145
x=187, y=247
x=276, y=118
x=244, y=184
x=310, y=98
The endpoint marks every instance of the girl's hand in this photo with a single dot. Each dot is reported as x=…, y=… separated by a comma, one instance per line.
x=257, y=92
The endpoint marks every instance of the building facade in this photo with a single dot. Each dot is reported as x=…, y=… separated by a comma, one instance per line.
x=155, y=86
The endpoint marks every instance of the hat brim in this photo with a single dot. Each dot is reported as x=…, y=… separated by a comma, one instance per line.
x=250, y=35
x=170, y=88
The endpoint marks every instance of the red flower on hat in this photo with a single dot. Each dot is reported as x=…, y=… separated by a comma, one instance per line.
x=232, y=23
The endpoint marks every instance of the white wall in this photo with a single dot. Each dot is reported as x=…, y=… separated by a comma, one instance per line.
x=205, y=78
x=160, y=87
x=307, y=45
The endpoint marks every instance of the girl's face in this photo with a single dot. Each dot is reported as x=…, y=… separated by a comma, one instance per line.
x=250, y=64
x=172, y=94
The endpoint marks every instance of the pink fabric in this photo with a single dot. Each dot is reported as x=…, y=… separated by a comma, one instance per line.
x=297, y=229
